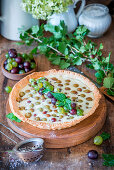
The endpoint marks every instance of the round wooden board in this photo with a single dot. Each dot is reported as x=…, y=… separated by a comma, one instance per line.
x=66, y=137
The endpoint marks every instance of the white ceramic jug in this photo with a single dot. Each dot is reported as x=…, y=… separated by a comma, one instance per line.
x=69, y=17
x=13, y=18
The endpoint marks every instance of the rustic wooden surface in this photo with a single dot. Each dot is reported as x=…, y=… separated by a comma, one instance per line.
x=68, y=137
x=73, y=158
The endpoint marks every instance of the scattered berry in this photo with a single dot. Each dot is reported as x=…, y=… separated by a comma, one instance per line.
x=53, y=100
x=8, y=89
x=53, y=119
x=92, y=154
x=49, y=95
x=12, y=53
x=73, y=105
x=98, y=140
x=73, y=112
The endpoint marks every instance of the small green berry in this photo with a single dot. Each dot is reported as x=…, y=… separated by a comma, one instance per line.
x=8, y=89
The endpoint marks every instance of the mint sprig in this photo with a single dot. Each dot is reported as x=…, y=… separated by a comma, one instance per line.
x=108, y=159
x=13, y=117
x=64, y=101
x=59, y=96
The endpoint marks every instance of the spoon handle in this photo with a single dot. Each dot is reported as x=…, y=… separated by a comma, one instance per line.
x=16, y=134
x=8, y=137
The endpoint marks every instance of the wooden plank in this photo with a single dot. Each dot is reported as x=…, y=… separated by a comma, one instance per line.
x=73, y=158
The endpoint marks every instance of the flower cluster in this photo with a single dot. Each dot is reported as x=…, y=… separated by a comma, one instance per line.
x=42, y=9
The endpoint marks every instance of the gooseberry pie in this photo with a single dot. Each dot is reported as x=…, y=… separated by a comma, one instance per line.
x=54, y=99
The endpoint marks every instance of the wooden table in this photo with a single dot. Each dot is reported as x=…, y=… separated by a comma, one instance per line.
x=73, y=158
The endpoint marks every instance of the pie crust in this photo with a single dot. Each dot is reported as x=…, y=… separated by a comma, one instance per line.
x=52, y=125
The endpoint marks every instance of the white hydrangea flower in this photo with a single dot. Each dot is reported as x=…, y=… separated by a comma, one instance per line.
x=42, y=9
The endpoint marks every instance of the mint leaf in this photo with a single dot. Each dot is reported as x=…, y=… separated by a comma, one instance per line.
x=68, y=104
x=13, y=117
x=45, y=91
x=80, y=112
x=59, y=96
x=61, y=104
x=108, y=159
x=108, y=82
x=105, y=135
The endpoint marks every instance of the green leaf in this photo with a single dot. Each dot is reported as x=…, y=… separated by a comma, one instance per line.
x=61, y=104
x=13, y=117
x=66, y=51
x=56, y=60
x=34, y=50
x=68, y=103
x=105, y=135
x=94, y=52
x=99, y=53
x=100, y=74
x=108, y=159
x=101, y=46
x=77, y=61
x=82, y=49
x=62, y=47
x=19, y=43
x=96, y=65
x=81, y=30
x=59, y=96
x=53, y=29
x=49, y=27
x=35, y=29
x=42, y=48
x=90, y=66
x=64, y=64
x=45, y=91
x=99, y=80
x=110, y=92
x=80, y=112
x=108, y=82
x=110, y=66
x=89, y=45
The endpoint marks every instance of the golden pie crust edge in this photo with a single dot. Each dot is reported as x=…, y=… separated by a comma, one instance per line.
x=51, y=125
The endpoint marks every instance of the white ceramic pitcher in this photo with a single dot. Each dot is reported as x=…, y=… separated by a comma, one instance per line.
x=69, y=17
x=13, y=18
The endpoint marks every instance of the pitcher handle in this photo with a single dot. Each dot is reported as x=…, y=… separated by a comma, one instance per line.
x=81, y=7
x=1, y=18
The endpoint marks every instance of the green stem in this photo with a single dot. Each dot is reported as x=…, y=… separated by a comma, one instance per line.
x=40, y=41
